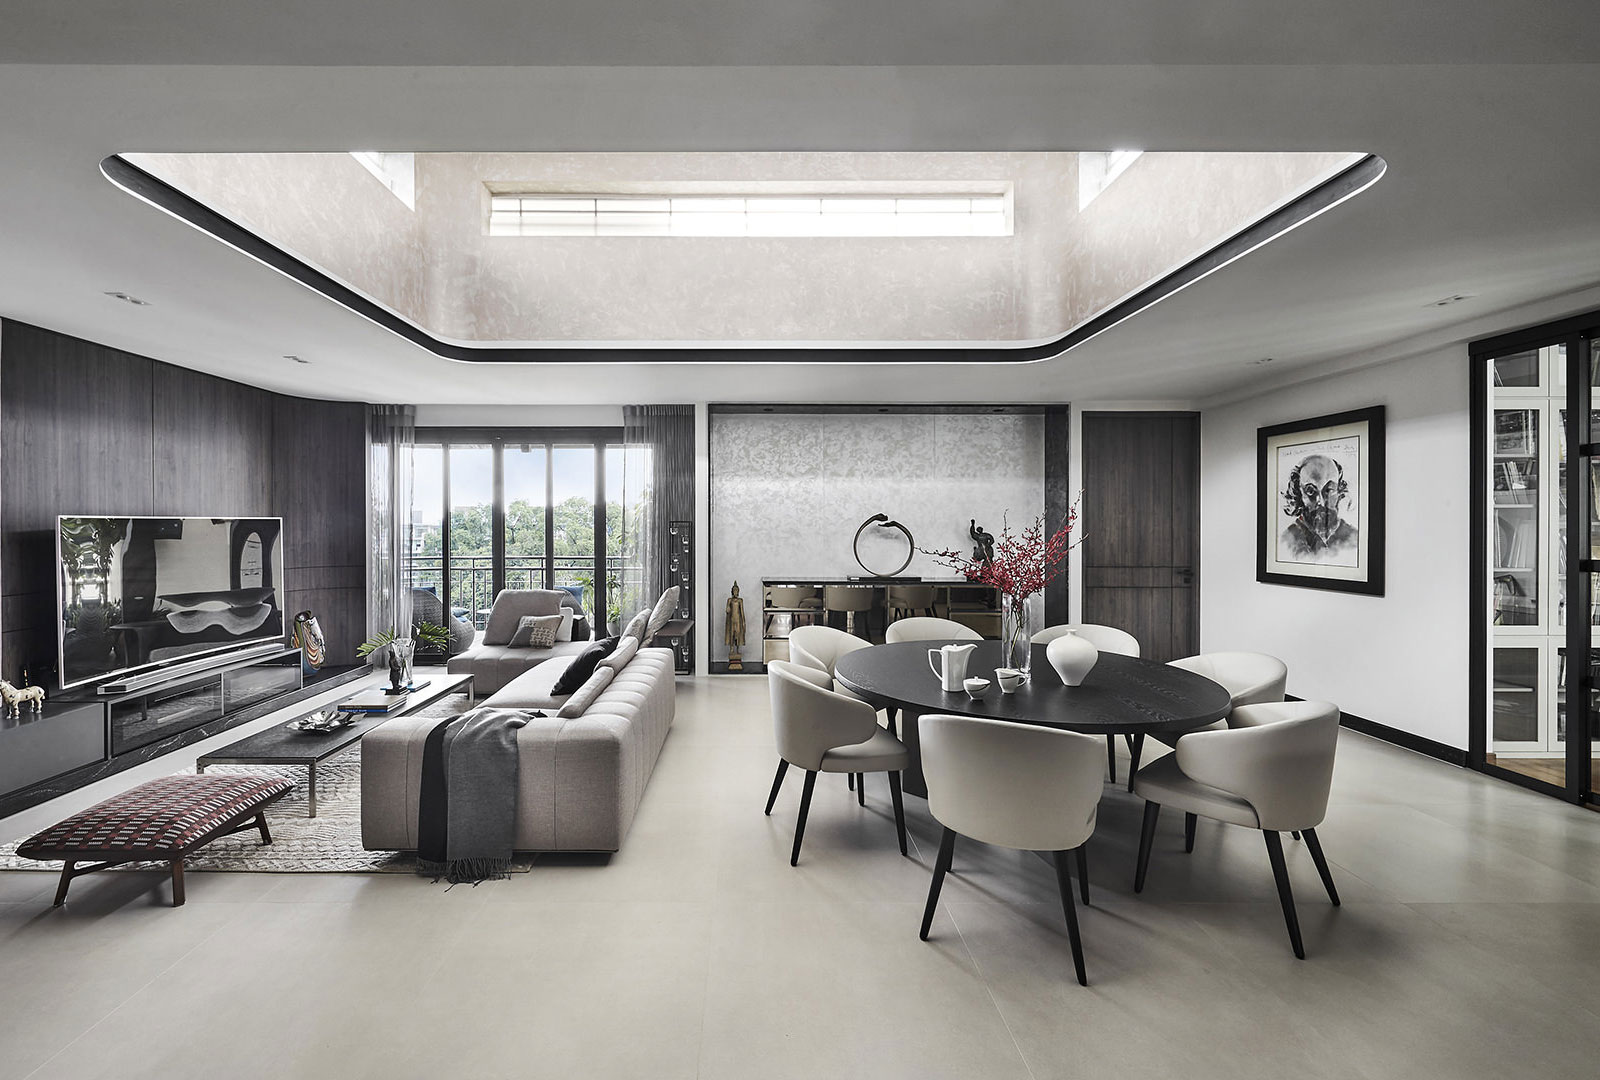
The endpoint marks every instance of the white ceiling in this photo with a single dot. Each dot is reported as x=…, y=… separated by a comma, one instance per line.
x=1494, y=168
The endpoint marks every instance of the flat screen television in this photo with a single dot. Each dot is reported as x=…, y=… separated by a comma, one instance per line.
x=136, y=593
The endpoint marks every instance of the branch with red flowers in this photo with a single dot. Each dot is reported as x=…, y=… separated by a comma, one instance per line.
x=1024, y=562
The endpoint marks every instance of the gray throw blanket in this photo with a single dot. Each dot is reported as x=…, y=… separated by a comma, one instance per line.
x=467, y=811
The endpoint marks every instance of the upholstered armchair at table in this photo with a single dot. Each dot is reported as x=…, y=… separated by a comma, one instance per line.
x=1106, y=639
x=1270, y=769
x=1013, y=785
x=1248, y=677
x=927, y=628
x=821, y=731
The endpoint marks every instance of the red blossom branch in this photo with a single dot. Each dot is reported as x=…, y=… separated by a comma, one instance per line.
x=1024, y=562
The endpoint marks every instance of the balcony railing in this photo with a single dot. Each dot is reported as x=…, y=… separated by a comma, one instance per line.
x=472, y=577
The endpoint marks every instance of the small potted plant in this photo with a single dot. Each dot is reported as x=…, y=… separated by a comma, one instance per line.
x=401, y=649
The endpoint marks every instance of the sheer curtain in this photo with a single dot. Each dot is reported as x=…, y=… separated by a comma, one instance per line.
x=657, y=488
x=392, y=431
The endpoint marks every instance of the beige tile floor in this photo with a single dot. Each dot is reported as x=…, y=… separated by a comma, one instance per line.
x=1468, y=946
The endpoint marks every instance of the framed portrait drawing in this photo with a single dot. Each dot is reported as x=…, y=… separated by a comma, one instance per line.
x=1320, y=502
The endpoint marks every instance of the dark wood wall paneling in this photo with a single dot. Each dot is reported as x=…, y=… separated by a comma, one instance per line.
x=1058, y=497
x=1141, y=479
x=94, y=430
x=319, y=488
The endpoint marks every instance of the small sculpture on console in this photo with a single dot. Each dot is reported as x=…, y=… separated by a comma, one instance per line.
x=984, y=552
x=733, y=629
x=396, y=673
x=14, y=698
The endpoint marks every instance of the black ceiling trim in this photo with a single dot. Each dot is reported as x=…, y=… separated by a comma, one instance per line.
x=159, y=193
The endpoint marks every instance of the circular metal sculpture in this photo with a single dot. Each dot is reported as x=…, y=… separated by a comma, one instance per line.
x=882, y=521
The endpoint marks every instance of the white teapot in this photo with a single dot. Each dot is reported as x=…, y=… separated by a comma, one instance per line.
x=950, y=664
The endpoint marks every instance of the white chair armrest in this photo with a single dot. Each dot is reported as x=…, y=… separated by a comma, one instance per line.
x=1278, y=757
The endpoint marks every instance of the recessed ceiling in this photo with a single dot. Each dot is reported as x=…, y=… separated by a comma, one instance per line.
x=1489, y=193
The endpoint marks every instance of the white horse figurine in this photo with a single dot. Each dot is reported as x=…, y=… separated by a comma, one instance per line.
x=14, y=698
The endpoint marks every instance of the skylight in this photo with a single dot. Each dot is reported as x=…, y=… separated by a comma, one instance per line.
x=561, y=214
x=1097, y=169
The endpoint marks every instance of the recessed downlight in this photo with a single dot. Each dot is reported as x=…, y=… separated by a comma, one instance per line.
x=126, y=299
x=1446, y=301
x=1263, y=360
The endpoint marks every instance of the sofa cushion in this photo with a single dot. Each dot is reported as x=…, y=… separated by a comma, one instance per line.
x=579, y=702
x=621, y=654
x=533, y=689
x=665, y=606
x=564, y=631
x=636, y=625
x=535, y=632
x=493, y=666
x=578, y=672
x=510, y=605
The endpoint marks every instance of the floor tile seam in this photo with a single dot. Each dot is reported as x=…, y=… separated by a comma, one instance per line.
x=988, y=989
x=135, y=992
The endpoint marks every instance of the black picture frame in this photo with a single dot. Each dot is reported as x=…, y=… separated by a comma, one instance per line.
x=1359, y=438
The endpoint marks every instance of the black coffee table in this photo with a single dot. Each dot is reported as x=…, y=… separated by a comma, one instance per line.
x=1123, y=695
x=281, y=745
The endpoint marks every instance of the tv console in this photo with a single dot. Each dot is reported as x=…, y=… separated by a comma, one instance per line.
x=83, y=735
x=173, y=672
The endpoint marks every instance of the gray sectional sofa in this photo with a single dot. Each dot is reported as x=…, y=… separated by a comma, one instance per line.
x=581, y=777
x=491, y=660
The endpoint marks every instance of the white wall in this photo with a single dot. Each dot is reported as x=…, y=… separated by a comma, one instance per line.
x=1399, y=659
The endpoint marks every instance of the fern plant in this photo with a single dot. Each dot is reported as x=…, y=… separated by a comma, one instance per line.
x=427, y=633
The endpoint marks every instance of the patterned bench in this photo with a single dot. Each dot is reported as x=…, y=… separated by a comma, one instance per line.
x=161, y=821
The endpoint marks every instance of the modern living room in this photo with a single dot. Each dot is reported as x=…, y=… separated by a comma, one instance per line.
x=1141, y=450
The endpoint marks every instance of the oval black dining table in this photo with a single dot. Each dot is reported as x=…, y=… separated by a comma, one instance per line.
x=1122, y=695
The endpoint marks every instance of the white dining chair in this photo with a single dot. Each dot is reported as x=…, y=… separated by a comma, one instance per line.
x=926, y=628
x=821, y=731
x=1269, y=769
x=1106, y=639
x=1017, y=786
x=819, y=648
x=1249, y=678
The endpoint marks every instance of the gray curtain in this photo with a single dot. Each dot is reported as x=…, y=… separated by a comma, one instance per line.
x=658, y=488
x=392, y=434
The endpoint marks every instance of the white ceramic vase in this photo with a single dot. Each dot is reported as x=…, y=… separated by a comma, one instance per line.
x=1073, y=657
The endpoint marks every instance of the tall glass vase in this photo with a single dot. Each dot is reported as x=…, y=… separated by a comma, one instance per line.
x=1016, y=633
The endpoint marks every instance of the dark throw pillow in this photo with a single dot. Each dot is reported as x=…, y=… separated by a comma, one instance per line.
x=583, y=666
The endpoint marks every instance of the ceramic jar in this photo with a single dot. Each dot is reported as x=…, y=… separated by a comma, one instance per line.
x=1073, y=657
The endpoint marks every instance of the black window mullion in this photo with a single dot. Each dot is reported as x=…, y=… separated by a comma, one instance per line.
x=601, y=565
x=497, y=517
x=549, y=516
x=444, y=531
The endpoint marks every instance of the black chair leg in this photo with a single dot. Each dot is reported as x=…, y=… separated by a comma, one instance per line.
x=805, y=808
x=1064, y=881
x=1135, y=751
x=1111, y=757
x=1315, y=847
x=777, y=782
x=1083, y=871
x=850, y=778
x=1296, y=835
x=861, y=788
x=892, y=715
x=1147, y=836
x=941, y=865
x=1189, y=821
x=899, y=810
x=1280, y=872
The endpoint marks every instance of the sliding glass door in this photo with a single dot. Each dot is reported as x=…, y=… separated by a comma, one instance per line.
x=518, y=509
x=1536, y=708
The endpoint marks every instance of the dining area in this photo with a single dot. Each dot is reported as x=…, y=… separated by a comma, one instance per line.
x=1017, y=748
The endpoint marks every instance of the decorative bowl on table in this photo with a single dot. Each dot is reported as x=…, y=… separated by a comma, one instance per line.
x=322, y=722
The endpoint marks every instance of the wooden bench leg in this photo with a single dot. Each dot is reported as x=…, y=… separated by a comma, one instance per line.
x=261, y=823
x=177, y=882
x=66, y=879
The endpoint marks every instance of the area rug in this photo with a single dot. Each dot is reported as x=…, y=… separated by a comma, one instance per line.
x=329, y=843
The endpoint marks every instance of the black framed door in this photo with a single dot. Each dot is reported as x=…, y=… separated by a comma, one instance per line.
x=1535, y=706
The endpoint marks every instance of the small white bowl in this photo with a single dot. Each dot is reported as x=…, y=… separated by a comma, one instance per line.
x=976, y=686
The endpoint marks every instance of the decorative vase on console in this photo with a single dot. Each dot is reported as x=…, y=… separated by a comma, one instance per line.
x=401, y=652
x=1022, y=564
x=1072, y=656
